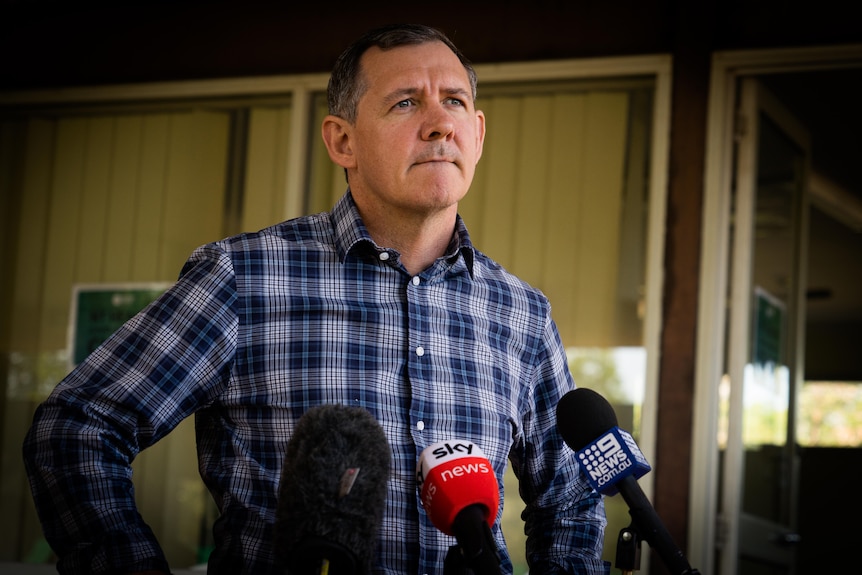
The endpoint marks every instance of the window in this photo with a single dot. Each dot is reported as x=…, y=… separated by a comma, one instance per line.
x=830, y=414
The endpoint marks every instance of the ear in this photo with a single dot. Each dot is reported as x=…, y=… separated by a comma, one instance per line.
x=480, y=133
x=336, y=134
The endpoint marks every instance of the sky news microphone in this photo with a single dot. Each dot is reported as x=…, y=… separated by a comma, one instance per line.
x=332, y=492
x=460, y=494
x=612, y=462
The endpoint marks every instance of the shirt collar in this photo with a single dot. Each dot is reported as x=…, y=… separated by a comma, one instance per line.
x=351, y=236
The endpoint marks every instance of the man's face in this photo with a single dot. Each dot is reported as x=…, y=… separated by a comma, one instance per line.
x=417, y=136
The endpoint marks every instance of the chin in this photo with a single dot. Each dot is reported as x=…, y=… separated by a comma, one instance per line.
x=442, y=197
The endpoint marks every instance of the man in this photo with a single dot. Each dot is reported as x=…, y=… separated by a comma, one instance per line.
x=382, y=303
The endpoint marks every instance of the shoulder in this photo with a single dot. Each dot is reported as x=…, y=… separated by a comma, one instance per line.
x=508, y=288
x=310, y=229
x=269, y=249
x=309, y=232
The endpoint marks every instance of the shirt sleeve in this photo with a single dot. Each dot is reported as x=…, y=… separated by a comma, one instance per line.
x=564, y=516
x=161, y=366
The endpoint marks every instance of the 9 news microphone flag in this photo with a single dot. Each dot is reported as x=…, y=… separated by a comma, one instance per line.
x=612, y=463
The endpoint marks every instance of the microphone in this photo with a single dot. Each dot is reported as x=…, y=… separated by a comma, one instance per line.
x=332, y=492
x=460, y=494
x=612, y=463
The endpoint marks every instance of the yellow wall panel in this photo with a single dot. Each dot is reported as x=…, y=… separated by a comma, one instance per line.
x=11, y=157
x=497, y=215
x=63, y=229
x=266, y=168
x=603, y=179
x=26, y=186
x=150, y=201
x=26, y=269
x=195, y=185
x=95, y=177
x=124, y=173
x=546, y=201
x=531, y=203
x=565, y=181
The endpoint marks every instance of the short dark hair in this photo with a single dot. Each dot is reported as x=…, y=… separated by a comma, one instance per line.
x=346, y=85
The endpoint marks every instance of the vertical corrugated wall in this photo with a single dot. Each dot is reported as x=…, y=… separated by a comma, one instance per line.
x=547, y=201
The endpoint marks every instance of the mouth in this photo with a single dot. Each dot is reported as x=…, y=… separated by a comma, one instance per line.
x=436, y=166
x=435, y=161
x=437, y=156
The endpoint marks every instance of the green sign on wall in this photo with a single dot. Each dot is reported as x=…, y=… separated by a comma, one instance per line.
x=768, y=337
x=100, y=310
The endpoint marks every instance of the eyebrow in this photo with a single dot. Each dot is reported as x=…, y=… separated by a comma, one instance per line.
x=401, y=93
x=465, y=94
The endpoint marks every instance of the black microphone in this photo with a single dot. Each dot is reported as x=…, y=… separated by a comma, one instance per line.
x=332, y=492
x=611, y=461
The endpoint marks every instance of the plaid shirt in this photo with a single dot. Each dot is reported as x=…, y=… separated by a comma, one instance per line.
x=262, y=326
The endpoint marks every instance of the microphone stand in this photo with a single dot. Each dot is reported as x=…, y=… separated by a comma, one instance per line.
x=475, y=553
x=457, y=564
x=646, y=525
x=628, y=557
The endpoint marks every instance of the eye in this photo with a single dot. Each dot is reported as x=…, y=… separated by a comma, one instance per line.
x=455, y=101
x=404, y=103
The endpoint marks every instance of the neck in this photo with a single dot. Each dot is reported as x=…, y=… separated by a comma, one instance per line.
x=419, y=238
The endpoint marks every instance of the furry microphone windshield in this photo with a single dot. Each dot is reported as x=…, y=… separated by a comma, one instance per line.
x=332, y=492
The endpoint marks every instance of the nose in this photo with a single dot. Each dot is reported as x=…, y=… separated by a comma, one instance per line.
x=437, y=124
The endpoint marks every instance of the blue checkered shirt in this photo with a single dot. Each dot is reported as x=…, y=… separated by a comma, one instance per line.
x=262, y=326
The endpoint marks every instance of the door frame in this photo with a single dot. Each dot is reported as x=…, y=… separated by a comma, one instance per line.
x=750, y=530
x=705, y=532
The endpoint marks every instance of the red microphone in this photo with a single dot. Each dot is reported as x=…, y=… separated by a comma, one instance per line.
x=460, y=494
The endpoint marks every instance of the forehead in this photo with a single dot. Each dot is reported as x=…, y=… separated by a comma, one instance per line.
x=420, y=63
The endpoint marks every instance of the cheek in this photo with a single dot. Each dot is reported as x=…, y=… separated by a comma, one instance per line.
x=376, y=165
x=478, y=154
x=383, y=148
x=472, y=151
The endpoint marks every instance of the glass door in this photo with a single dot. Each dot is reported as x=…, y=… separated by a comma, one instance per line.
x=765, y=338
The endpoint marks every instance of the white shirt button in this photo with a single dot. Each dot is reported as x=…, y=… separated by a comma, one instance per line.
x=384, y=256
x=420, y=351
x=420, y=425
x=416, y=280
